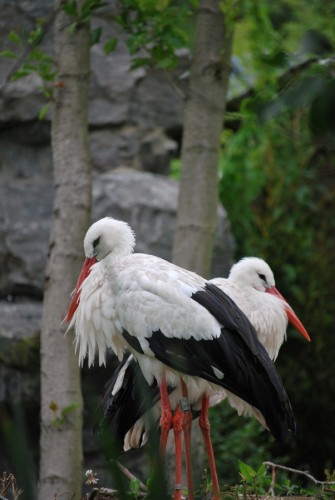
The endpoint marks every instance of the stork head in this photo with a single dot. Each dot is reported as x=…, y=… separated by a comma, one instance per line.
x=256, y=273
x=252, y=272
x=106, y=237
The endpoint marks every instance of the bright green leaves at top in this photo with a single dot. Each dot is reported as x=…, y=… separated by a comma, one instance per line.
x=156, y=30
x=83, y=12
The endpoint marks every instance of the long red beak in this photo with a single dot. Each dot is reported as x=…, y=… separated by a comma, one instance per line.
x=85, y=271
x=292, y=317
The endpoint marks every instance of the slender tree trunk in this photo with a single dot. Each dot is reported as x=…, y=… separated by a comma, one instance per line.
x=199, y=184
x=203, y=121
x=61, y=400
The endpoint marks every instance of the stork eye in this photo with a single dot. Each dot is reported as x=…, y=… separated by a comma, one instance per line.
x=262, y=276
x=96, y=242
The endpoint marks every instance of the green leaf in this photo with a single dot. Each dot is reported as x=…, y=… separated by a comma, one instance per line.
x=43, y=112
x=110, y=45
x=15, y=38
x=21, y=73
x=8, y=53
x=261, y=471
x=95, y=35
x=29, y=67
x=70, y=8
x=168, y=62
x=134, y=486
x=68, y=409
x=247, y=472
x=138, y=62
x=73, y=26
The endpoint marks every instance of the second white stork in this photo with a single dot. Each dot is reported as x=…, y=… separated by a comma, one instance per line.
x=183, y=330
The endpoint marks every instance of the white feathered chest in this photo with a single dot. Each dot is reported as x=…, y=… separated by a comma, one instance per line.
x=140, y=294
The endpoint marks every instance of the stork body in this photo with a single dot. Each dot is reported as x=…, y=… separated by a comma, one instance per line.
x=183, y=330
x=125, y=401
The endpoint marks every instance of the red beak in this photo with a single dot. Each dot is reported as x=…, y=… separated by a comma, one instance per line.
x=85, y=271
x=292, y=317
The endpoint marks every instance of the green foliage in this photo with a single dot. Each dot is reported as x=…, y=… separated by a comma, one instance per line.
x=62, y=416
x=236, y=438
x=81, y=13
x=110, y=45
x=36, y=61
x=254, y=482
x=155, y=27
x=175, y=166
x=134, y=488
x=31, y=59
x=277, y=186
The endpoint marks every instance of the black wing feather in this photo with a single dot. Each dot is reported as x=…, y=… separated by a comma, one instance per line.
x=120, y=411
x=248, y=371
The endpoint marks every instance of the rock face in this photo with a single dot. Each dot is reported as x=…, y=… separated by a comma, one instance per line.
x=135, y=120
x=147, y=201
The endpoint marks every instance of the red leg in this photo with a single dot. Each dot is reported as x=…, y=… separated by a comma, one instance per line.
x=166, y=416
x=205, y=428
x=187, y=424
x=177, y=429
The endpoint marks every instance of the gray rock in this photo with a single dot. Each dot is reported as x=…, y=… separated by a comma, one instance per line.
x=155, y=152
x=111, y=148
x=21, y=100
x=111, y=85
x=25, y=151
x=26, y=208
x=19, y=351
x=147, y=201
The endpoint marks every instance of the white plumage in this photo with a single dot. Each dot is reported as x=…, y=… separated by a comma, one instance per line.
x=125, y=291
x=247, y=283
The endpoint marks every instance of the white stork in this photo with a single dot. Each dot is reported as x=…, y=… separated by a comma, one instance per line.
x=127, y=397
x=183, y=331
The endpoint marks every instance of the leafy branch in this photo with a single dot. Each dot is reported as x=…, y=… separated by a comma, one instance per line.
x=31, y=59
x=28, y=55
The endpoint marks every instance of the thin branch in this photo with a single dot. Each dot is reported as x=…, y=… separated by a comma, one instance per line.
x=174, y=86
x=103, y=493
x=304, y=473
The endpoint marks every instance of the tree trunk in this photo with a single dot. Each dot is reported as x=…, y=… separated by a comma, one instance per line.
x=199, y=184
x=61, y=400
x=203, y=121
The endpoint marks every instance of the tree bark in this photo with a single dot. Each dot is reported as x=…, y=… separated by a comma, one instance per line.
x=61, y=400
x=203, y=121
